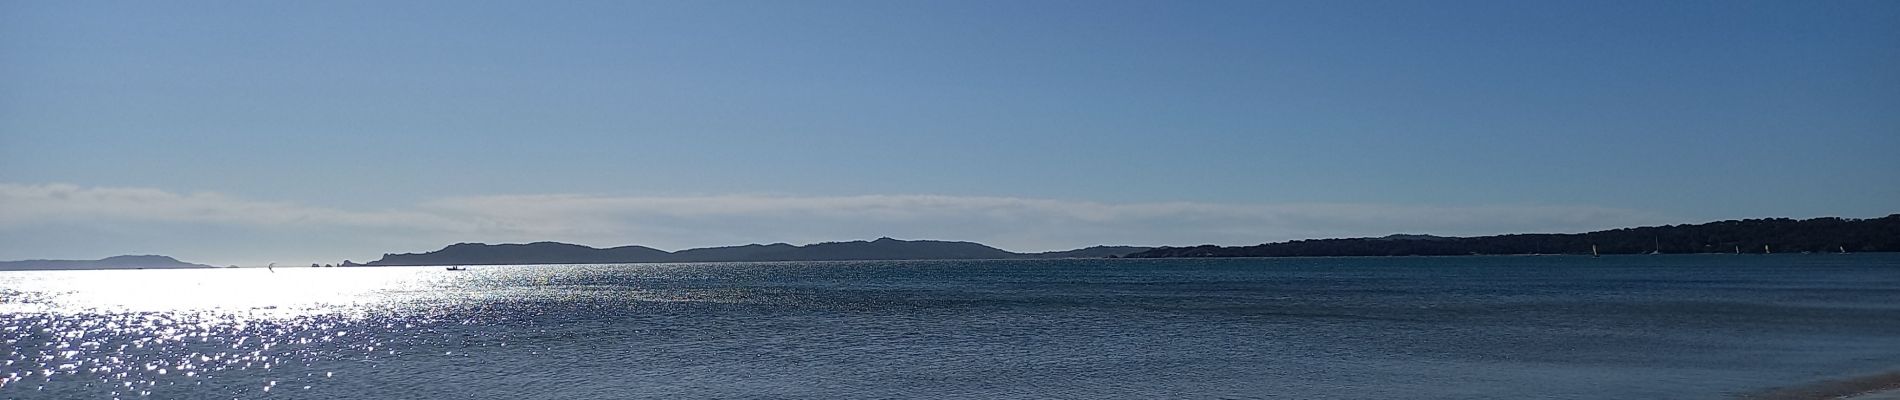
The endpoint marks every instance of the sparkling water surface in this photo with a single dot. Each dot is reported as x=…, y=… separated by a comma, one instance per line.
x=1689, y=326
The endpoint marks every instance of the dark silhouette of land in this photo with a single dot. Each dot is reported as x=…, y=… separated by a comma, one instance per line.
x=118, y=262
x=880, y=249
x=1777, y=235
x=1091, y=252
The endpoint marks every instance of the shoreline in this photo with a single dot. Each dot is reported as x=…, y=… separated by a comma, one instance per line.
x=1880, y=386
x=1890, y=394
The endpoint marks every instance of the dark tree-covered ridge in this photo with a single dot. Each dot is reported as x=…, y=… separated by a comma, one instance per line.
x=1778, y=235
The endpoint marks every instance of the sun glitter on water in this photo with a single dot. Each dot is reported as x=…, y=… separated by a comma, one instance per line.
x=136, y=333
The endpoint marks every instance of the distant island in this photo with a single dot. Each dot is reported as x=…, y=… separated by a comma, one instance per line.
x=880, y=249
x=119, y=262
x=1773, y=235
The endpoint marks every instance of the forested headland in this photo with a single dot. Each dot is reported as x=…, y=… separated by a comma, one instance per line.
x=1769, y=235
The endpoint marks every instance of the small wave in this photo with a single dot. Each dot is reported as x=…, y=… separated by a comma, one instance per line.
x=1847, y=388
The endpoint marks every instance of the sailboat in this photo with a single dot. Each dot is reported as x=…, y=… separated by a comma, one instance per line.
x=1593, y=252
x=1764, y=250
x=1658, y=249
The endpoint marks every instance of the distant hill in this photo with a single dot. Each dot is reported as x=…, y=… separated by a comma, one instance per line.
x=1779, y=235
x=880, y=249
x=119, y=262
x=1091, y=252
x=735, y=253
x=531, y=253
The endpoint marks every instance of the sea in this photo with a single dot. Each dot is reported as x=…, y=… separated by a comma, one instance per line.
x=1479, y=327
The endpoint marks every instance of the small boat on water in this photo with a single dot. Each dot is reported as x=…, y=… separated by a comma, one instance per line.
x=458, y=268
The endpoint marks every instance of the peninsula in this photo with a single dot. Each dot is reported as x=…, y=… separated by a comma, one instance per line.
x=1772, y=235
x=880, y=249
x=118, y=262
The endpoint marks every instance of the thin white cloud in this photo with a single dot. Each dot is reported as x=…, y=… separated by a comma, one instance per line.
x=1023, y=224
x=64, y=204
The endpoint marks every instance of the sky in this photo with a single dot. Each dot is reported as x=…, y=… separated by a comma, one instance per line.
x=239, y=132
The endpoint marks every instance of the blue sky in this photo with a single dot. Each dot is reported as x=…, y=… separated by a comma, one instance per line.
x=248, y=132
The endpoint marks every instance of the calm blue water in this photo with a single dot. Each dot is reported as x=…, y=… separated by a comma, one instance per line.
x=1346, y=328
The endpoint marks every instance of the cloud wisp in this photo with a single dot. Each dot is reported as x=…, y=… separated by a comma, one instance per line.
x=1022, y=224
x=68, y=204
